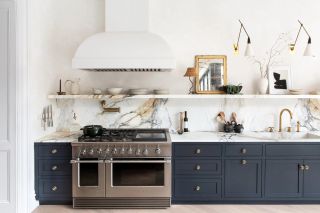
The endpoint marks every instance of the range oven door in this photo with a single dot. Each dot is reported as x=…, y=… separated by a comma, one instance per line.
x=88, y=178
x=138, y=178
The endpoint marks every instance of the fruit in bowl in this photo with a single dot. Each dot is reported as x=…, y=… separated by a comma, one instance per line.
x=114, y=91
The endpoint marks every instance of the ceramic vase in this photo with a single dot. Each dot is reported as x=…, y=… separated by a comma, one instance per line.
x=263, y=84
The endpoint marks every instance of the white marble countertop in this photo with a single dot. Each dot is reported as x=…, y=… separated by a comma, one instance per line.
x=57, y=137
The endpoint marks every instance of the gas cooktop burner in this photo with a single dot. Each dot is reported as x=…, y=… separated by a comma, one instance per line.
x=126, y=135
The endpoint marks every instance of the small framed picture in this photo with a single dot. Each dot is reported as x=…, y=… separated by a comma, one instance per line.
x=279, y=80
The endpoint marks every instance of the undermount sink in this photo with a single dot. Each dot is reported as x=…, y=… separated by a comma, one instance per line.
x=281, y=136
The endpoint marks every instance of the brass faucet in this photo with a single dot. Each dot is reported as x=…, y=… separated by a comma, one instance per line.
x=280, y=121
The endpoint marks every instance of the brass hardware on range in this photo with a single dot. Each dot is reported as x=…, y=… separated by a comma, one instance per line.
x=198, y=167
x=197, y=188
x=54, y=168
x=198, y=151
x=306, y=167
x=280, y=120
x=107, y=108
x=243, y=151
x=301, y=167
x=54, y=151
x=54, y=188
x=243, y=162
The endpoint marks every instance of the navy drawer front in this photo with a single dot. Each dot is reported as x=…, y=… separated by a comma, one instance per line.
x=55, y=167
x=54, y=150
x=244, y=150
x=198, y=167
x=197, y=189
x=55, y=187
x=197, y=150
x=293, y=150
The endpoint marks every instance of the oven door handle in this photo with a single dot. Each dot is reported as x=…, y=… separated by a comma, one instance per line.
x=86, y=161
x=138, y=161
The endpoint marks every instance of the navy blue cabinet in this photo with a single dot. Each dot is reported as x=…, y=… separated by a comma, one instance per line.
x=53, y=178
x=246, y=172
x=242, y=178
x=284, y=178
x=311, y=179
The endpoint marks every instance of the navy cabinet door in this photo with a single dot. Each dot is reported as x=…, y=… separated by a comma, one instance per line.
x=283, y=178
x=311, y=180
x=242, y=178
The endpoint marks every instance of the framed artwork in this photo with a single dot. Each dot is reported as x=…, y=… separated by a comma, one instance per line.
x=279, y=80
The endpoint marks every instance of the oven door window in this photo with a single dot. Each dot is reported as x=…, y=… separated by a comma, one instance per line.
x=138, y=174
x=89, y=174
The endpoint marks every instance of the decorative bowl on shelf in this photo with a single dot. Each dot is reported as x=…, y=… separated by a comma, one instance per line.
x=161, y=91
x=138, y=91
x=114, y=91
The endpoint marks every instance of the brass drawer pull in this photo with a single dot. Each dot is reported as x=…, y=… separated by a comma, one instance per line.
x=243, y=151
x=54, y=168
x=198, y=167
x=301, y=167
x=244, y=162
x=54, y=188
x=54, y=151
x=197, y=188
x=198, y=151
x=306, y=167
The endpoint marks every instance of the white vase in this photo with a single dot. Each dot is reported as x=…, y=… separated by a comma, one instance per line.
x=263, y=84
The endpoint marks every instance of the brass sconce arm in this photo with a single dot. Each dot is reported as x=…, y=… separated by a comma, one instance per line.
x=292, y=46
x=245, y=30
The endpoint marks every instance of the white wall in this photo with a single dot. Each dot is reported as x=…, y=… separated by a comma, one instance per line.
x=192, y=27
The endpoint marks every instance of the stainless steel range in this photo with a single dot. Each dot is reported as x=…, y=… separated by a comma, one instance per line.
x=122, y=168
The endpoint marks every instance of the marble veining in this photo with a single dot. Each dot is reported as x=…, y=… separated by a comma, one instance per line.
x=254, y=114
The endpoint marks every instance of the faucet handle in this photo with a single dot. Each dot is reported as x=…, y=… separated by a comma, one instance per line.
x=288, y=129
x=270, y=129
x=298, y=126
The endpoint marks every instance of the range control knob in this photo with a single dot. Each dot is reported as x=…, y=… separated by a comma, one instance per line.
x=145, y=152
x=83, y=152
x=122, y=151
x=107, y=150
x=158, y=150
x=99, y=151
x=91, y=152
x=138, y=152
x=130, y=151
x=114, y=151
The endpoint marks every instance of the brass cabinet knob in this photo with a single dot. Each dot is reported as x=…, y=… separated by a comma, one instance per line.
x=244, y=162
x=54, y=188
x=301, y=167
x=54, y=168
x=198, y=167
x=198, y=151
x=306, y=167
x=54, y=151
x=197, y=188
x=243, y=151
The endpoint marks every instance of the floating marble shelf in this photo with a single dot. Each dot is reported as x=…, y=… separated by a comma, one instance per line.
x=181, y=96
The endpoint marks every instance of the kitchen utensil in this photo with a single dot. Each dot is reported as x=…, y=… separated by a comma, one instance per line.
x=92, y=130
x=114, y=91
x=50, y=116
x=44, y=121
x=234, y=117
x=221, y=118
x=138, y=91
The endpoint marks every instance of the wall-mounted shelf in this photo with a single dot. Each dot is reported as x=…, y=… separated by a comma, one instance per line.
x=182, y=96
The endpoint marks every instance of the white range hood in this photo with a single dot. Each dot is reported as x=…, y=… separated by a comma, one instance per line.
x=126, y=45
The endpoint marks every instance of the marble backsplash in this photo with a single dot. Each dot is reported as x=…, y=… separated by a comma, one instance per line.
x=255, y=114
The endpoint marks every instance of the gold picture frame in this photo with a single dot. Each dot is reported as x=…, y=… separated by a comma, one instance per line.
x=211, y=74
